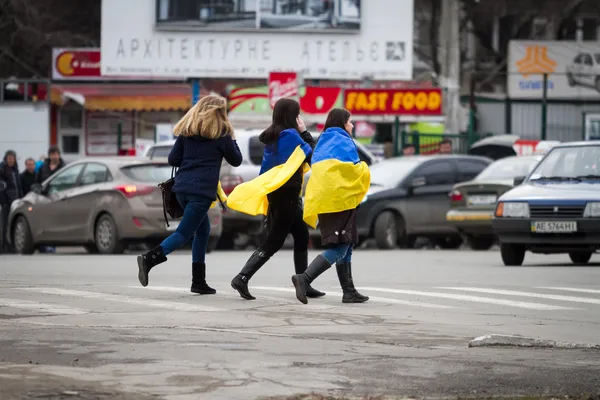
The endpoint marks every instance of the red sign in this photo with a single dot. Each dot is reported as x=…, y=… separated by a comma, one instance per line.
x=394, y=101
x=281, y=85
x=524, y=147
x=76, y=64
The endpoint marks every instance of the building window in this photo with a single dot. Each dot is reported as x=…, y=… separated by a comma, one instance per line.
x=70, y=144
x=71, y=118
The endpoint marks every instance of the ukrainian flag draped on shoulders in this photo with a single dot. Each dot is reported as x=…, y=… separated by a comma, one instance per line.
x=339, y=180
x=280, y=161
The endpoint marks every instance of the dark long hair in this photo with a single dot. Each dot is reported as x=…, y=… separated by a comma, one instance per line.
x=285, y=113
x=337, y=118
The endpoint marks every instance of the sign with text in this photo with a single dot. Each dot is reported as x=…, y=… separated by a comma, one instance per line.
x=76, y=64
x=394, y=101
x=282, y=85
x=133, y=44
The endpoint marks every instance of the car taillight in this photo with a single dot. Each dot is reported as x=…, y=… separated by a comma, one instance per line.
x=229, y=182
x=134, y=190
x=455, y=195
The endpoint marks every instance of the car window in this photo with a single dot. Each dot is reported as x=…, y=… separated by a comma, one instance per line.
x=150, y=173
x=95, y=173
x=161, y=151
x=256, y=149
x=65, y=179
x=597, y=57
x=578, y=59
x=587, y=60
x=390, y=173
x=569, y=162
x=469, y=169
x=436, y=173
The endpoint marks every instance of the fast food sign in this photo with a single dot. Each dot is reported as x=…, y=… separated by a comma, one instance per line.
x=76, y=64
x=426, y=102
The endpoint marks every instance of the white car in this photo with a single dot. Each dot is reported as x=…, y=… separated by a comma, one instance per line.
x=239, y=227
x=585, y=71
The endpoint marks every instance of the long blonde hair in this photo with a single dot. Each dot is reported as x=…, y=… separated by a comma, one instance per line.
x=207, y=118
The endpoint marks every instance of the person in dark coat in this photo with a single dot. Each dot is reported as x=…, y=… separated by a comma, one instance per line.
x=338, y=229
x=52, y=164
x=9, y=176
x=27, y=177
x=204, y=138
x=284, y=213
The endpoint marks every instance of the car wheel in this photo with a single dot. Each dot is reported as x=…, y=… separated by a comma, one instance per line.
x=91, y=248
x=512, y=254
x=449, y=242
x=570, y=79
x=580, y=257
x=480, y=242
x=386, y=230
x=106, y=236
x=22, y=239
x=213, y=241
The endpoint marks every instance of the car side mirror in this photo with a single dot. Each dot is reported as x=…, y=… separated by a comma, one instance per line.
x=36, y=188
x=518, y=180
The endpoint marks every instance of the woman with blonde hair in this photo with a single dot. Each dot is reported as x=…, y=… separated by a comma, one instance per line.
x=204, y=137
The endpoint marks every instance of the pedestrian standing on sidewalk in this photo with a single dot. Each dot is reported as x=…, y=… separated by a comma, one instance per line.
x=51, y=165
x=204, y=137
x=9, y=176
x=338, y=183
x=27, y=177
x=276, y=193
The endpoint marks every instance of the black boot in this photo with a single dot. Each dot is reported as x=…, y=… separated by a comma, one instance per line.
x=199, y=280
x=147, y=261
x=254, y=263
x=302, y=281
x=300, y=265
x=351, y=295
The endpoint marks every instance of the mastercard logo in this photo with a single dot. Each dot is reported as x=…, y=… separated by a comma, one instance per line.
x=64, y=64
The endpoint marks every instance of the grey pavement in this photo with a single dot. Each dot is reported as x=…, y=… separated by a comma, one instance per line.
x=81, y=326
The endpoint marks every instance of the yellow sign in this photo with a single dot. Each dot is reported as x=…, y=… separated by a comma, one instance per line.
x=536, y=61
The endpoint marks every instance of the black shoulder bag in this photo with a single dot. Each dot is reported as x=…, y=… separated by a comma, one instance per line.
x=170, y=204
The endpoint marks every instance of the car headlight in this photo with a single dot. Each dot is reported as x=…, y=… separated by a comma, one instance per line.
x=592, y=209
x=512, y=210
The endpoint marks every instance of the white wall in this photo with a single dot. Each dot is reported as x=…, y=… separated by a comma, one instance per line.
x=25, y=129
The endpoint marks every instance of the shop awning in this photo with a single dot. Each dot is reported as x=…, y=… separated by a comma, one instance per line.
x=126, y=96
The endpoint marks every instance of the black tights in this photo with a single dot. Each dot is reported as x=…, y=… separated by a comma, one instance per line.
x=284, y=217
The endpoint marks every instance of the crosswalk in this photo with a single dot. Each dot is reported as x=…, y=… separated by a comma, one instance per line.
x=48, y=300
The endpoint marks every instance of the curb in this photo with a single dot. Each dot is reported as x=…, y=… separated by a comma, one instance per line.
x=521, y=341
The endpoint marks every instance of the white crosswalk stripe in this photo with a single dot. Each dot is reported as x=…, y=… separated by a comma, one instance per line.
x=476, y=299
x=568, y=289
x=41, y=307
x=526, y=294
x=169, y=305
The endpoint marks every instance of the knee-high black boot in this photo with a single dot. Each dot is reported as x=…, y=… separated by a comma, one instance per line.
x=149, y=260
x=254, y=263
x=199, y=284
x=300, y=265
x=302, y=281
x=351, y=295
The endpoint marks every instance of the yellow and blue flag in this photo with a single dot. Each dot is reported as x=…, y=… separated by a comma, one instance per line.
x=339, y=180
x=221, y=196
x=280, y=162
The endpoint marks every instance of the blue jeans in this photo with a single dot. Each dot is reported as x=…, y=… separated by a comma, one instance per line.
x=195, y=223
x=340, y=253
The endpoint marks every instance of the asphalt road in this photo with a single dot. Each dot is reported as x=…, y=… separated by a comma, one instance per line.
x=81, y=327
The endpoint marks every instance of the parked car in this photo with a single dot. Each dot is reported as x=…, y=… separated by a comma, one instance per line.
x=501, y=146
x=408, y=198
x=102, y=204
x=472, y=203
x=555, y=209
x=238, y=225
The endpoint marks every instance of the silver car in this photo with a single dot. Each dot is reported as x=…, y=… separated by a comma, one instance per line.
x=103, y=204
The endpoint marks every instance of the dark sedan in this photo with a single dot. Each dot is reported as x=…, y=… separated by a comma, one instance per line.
x=556, y=209
x=408, y=198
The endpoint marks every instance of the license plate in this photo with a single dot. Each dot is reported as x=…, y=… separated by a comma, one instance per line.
x=172, y=225
x=481, y=200
x=554, y=226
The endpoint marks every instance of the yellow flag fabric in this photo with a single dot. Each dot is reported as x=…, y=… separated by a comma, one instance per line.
x=220, y=196
x=251, y=197
x=339, y=180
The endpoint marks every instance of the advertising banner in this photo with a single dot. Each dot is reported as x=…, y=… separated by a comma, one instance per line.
x=76, y=64
x=394, y=101
x=283, y=85
x=358, y=40
x=573, y=69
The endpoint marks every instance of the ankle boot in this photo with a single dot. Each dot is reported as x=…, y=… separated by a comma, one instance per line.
x=254, y=263
x=199, y=280
x=351, y=295
x=149, y=260
x=302, y=281
x=300, y=265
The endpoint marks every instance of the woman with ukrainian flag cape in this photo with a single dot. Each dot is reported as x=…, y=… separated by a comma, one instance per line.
x=276, y=193
x=339, y=181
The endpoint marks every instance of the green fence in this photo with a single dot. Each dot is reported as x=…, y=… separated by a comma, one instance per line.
x=430, y=143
